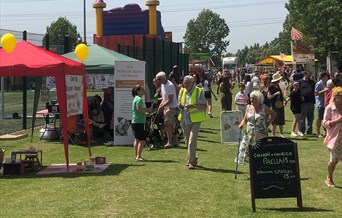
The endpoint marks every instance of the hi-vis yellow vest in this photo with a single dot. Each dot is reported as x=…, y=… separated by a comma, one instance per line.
x=196, y=115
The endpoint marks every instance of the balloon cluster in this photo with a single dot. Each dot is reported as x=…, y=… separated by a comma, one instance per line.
x=8, y=42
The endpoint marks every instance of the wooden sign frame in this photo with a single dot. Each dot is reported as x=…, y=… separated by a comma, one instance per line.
x=274, y=170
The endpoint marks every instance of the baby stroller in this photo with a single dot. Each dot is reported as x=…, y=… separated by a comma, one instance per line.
x=154, y=123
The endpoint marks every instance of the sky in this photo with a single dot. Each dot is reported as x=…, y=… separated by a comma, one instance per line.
x=250, y=21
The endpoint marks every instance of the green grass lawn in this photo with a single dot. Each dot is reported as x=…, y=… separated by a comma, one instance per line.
x=163, y=186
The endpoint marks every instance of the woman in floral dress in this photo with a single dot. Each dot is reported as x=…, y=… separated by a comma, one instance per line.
x=257, y=118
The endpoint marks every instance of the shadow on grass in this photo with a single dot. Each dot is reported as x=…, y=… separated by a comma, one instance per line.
x=298, y=209
x=214, y=131
x=205, y=140
x=161, y=161
x=185, y=148
x=217, y=170
x=210, y=129
x=306, y=178
x=301, y=139
x=111, y=170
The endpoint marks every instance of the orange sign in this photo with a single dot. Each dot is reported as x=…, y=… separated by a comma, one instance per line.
x=128, y=83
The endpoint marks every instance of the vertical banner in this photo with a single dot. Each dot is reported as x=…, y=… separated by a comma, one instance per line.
x=44, y=91
x=103, y=81
x=74, y=94
x=127, y=74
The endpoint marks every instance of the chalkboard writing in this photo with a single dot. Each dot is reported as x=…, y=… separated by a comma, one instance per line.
x=274, y=169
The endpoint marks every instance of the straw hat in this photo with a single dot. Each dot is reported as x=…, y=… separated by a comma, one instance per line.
x=276, y=77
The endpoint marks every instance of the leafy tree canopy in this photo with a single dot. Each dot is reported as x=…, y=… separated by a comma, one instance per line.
x=61, y=28
x=320, y=23
x=207, y=33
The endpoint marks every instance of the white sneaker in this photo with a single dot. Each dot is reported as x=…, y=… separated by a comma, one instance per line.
x=293, y=134
x=300, y=134
x=109, y=143
x=210, y=115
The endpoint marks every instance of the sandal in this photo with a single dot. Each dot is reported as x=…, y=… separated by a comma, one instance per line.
x=168, y=146
x=140, y=159
x=330, y=184
x=191, y=167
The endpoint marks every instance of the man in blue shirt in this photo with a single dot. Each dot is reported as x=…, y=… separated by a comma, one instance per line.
x=320, y=90
x=297, y=75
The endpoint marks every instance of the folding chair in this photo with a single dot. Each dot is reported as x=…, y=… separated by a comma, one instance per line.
x=75, y=133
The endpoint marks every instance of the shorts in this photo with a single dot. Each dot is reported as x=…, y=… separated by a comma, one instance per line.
x=139, y=131
x=170, y=116
x=148, y=104
x=296, y=110
x=320, y=112
x=207, y=94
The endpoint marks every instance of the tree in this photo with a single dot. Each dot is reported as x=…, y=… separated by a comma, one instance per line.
x=207, y=33
x=61, y=28
x=320, y=23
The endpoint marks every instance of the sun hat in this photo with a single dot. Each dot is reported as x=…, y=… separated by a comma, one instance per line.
x=276, y=77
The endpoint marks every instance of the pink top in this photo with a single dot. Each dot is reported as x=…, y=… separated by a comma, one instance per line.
x=331, y=113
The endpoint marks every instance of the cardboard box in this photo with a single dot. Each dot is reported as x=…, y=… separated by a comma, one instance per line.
x=12, y=168
x=100, y=160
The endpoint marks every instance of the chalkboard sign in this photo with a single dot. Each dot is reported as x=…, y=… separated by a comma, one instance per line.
x=274, y=169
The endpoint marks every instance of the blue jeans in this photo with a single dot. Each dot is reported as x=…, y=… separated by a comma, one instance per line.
x=308, y=110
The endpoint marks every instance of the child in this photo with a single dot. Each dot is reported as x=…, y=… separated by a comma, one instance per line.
x=207, y=93
x=241, y=99
x=295, y=98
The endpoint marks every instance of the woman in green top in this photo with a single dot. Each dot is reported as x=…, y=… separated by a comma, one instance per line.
x=138, y=121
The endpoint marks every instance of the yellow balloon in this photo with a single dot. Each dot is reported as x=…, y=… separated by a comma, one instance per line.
x=81, y=52
x=8, y=42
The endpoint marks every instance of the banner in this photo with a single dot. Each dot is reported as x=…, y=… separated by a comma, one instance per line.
x=230, y=121
x=74, y=94
x=302, y=52
x=103, y=81
x=127, y=74
x=44, y=91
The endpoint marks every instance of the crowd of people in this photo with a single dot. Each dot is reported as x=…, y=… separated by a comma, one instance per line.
x=262, y=100
x=262, y=97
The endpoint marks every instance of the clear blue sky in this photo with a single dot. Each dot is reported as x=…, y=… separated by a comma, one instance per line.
x=250, y=21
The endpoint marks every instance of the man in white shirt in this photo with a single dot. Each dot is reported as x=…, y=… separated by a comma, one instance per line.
x=169, y=107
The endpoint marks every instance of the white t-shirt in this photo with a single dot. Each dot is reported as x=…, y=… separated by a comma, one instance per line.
x=255, y=81
x=241, y=98
x=206, y=86
x=248, y=88
x=169, y=89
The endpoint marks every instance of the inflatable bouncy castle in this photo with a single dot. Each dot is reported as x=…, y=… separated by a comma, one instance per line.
x=127, y=25
x=139, y=33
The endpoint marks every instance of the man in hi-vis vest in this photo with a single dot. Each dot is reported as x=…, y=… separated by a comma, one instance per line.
x=192, y=103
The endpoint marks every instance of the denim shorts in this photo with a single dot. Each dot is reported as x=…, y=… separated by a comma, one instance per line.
x=320, y=112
